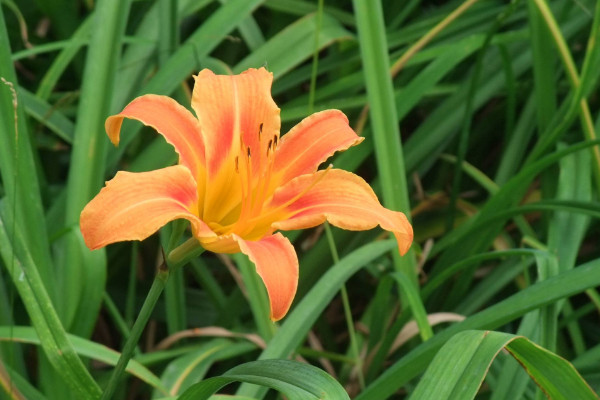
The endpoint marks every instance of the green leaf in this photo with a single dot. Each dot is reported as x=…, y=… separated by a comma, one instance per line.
x=471, y=353
x=383, y=116
x=300, y=320
x=47, y=115
x=86, y=173
x=257, y=296
x=542, y=293
x=53, y=338
x=295, y=380
x=20, y=180
x=86, y=348
x=184, y=371
x=415, y=304
x=293, y=45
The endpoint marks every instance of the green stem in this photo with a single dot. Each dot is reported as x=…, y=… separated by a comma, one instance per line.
x=347, y=311
x=191, y=248
x=119, y=321
x=158, y=285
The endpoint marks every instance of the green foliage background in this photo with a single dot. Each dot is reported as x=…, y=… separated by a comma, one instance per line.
x=481, y=120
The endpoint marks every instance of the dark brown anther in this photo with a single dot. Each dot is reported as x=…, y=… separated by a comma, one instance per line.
x=248, y=152
x=237, y=169
x=260, y=129
x=269, y=146
x=274, y=141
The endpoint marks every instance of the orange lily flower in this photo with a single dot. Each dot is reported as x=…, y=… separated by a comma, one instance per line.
x=237, y=182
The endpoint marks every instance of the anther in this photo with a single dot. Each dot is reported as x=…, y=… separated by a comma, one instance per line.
x=260, y=127
x=248, y=152
x=237, y=169
x=274, y=141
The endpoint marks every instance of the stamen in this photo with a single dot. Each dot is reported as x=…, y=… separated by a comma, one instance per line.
x=274, y=141
x=252, y=222
x=260, y=130
x=245, y=182
x=237, y=161
x=269, y=147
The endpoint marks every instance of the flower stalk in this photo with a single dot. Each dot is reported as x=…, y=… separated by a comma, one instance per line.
x=181, y=254
x=160, y=280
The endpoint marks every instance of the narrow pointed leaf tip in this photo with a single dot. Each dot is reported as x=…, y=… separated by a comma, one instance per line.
x=238, y=181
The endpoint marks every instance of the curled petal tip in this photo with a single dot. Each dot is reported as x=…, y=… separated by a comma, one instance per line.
x=340, y=197
x=113, y=128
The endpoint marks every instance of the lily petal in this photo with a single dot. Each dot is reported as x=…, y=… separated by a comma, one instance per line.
x=234, y=107
x=311, y=142
x=340, y=197
x=132, y=206
x=179, y=127
x=277, y=264
x=238, y=118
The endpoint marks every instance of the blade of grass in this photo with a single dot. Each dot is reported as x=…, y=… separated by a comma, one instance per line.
x=48, y=115
x=303, y=316
x=471, y=354
x=64, y=58
x=547, y=292
x=192, y=367
x=17, y=167
x=463, y=140
x=275, y=53
x=384, y=120
x=257, y=297
x=301, y=8
x=86, y=348
x=295, y=380
x=86, y=174
x=168, y=37
x=544, y=70
x=415, y=304
x=575, y=81
x=591, y=63
x=44, y=318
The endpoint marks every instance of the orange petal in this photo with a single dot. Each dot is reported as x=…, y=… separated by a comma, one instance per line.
x=236, y=113
x=340, y=197
x=132, y=206
x=179, y=127
x=277, y=264
x=311, y=142
x=220, y=244
x=231, y=106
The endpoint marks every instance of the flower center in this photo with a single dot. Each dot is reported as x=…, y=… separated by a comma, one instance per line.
x=253, y=167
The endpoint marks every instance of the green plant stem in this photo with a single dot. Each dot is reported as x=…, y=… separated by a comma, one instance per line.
x=113, y=312
x=158, y=285
x=347, y=311
x=191, y=248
